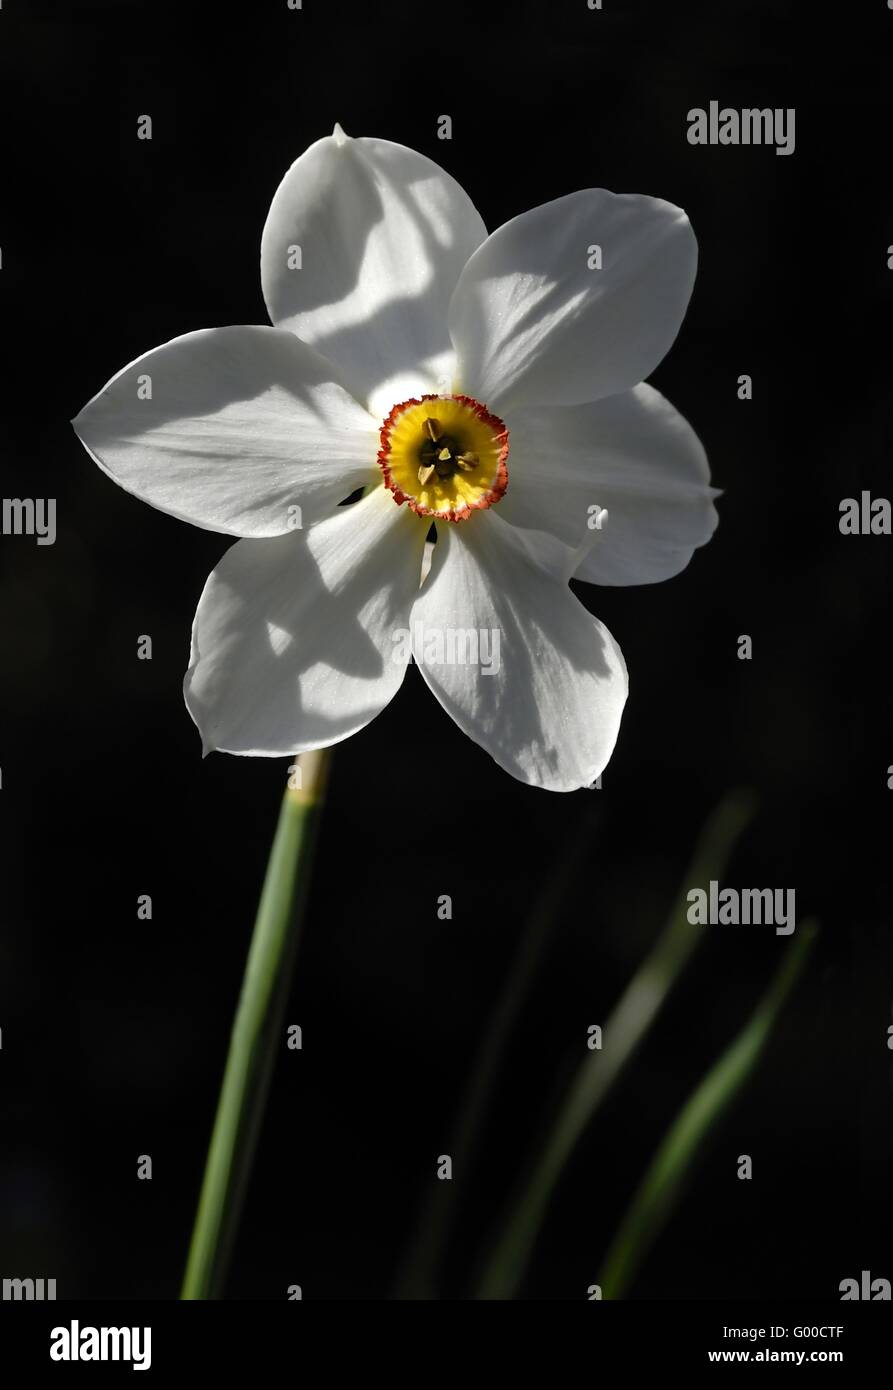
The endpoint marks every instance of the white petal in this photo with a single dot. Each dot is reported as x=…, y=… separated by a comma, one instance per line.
x=383, y=233
x=632, y=456
x=534, y=325
x=242, y=425
x=549, y=711
x=293, y=641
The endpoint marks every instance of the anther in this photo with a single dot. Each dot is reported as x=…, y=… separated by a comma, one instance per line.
x=444, y=455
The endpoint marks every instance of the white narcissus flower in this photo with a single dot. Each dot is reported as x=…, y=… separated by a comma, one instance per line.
x=489, y=385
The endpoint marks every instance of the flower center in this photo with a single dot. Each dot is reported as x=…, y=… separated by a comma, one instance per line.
x=445, y=456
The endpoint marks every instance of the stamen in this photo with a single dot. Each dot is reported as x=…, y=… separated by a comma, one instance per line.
x=447, y=465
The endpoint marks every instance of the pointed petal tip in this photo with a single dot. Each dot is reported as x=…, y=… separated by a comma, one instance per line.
x=339, y=135
x=208, y=744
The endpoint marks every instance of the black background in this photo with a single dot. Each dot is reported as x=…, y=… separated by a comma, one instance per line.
x=114, y=1031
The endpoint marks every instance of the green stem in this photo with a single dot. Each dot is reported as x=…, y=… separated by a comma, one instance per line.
x=624, y=1031
x=659, y=1189
x=255, y=1041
